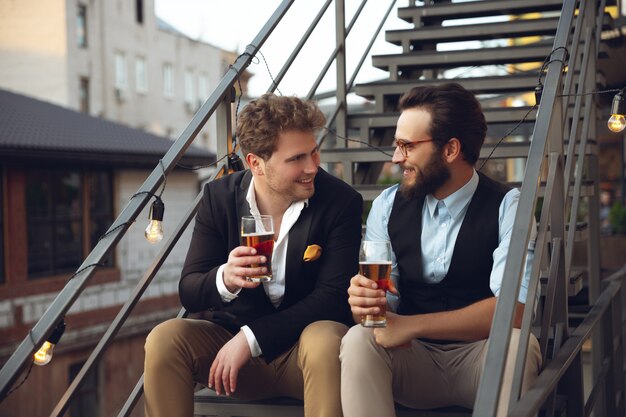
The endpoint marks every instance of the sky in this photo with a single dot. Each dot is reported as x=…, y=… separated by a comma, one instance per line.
x=232, y=24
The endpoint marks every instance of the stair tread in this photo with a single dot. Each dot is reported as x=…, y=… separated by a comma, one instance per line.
x=206, y=396
x=371, y=154
x=478, y=85
x=492, y=115
x=483, y=31
x=451, y=59
x=477, y=9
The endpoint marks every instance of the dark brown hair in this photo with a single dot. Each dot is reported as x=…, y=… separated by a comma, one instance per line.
x=262, y=120
x=455, y=113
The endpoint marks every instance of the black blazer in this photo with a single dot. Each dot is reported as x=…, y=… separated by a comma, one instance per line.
x=315, y=290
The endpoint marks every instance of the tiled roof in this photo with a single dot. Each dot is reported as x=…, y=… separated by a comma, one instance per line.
x=33, y=129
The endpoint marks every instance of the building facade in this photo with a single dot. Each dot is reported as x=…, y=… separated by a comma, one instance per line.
x=112, y=59
x=64, y=178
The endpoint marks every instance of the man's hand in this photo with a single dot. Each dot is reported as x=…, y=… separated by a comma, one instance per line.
x=365, y=297
x=238, y=268
x=397, y=333
x=228, y=361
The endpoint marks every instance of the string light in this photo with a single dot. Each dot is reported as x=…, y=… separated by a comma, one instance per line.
x=44, y=355
x=154, y=231
x=617, y=122
x=234, y=162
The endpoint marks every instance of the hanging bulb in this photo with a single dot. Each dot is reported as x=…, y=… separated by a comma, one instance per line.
x=617, y=122
x=154, y=231
x=44, y=355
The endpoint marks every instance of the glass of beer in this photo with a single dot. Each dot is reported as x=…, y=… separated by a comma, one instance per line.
x=258, y=232
x=375, y=264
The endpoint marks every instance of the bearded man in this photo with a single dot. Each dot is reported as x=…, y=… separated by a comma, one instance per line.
x=449, y=228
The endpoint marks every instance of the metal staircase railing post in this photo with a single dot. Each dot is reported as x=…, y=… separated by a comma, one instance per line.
x=544, y=138
x=340, y=62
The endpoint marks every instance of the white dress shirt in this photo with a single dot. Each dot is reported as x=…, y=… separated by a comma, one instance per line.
x=275, y=289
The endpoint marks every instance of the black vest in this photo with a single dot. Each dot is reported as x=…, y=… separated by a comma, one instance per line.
x=467, y=280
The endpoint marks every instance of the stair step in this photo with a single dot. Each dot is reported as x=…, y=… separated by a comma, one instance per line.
x=366, y=121
x=444, y=11
x=370, y=154
x=574, y=286
x=421, y=60
x=207, y=403
x=499, y=30
x=494, y=84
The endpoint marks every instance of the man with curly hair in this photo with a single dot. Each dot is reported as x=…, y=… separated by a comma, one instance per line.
x=278, y=338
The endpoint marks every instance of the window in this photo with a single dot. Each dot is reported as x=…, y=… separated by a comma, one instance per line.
x=189, y=93
x=121, y=80
x=168, y=80
x=203, y=89
x=67, y=210
x=141, y=75
x=85, y=402
x=139, y=11
x=81, y=26
x=83, y=95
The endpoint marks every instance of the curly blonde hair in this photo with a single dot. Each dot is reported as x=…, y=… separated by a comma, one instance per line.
x=262, y=120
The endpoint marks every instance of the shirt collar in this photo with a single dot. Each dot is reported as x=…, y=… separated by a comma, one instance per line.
x=458, y=200
x=254, y=208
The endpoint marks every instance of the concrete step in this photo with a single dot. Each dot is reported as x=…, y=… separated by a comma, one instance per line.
x=412, y=39
x=447, y=11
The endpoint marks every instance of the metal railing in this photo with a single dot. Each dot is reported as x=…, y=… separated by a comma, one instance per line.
x=561, y=201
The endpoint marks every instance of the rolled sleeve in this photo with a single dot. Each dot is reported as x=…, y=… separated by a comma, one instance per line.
x=507, y=211
x=226, y=295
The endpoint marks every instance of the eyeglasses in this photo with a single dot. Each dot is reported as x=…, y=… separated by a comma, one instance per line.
x=402, y=145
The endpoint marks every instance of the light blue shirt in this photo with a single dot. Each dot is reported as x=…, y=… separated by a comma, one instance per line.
x=441, y=222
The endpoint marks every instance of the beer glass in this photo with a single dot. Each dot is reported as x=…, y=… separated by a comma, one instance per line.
x=375, y=264
x=258, y=232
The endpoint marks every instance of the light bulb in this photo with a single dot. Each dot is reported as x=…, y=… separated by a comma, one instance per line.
x=44, y=355
x=616, y=123
x=154, y=231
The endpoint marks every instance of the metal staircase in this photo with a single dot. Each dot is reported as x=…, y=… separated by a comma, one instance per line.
x=526, y=42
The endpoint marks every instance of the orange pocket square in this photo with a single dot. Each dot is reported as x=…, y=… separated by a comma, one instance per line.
x=312, y=252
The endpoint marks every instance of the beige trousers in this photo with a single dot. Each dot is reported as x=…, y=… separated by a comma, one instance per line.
x=422, y=376
x=179, y=352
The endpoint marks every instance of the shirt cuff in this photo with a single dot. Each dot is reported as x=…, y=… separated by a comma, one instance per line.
x=226, y=295
x=255, y=349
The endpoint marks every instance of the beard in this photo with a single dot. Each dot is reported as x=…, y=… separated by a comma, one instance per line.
x=427, y=180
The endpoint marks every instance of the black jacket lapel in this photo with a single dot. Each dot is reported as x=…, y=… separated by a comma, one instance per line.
x=298, y=238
